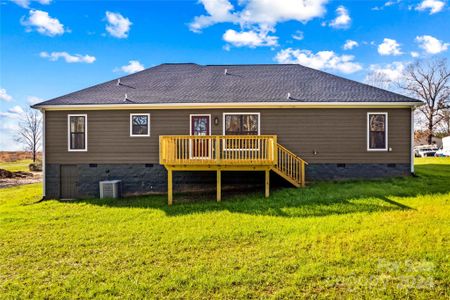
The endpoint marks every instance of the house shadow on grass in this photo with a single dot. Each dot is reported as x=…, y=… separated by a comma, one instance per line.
x=318, y=199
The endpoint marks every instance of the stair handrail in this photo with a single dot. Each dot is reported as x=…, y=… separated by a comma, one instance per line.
x=292, y=153
x=299, y=164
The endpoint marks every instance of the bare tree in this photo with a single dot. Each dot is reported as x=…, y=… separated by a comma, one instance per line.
x=30, y=131
x=429, y=81
x=380, y=80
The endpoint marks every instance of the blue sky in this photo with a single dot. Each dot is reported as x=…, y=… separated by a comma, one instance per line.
x=50, y=48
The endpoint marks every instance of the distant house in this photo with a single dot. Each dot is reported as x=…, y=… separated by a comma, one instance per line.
x=145, y=128
x=423, y=140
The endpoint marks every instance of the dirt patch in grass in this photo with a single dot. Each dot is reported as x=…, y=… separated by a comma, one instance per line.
x=9, y=179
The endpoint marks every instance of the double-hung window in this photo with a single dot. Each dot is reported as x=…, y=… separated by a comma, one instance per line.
x=77, y=132
x=139, y=124
x=377, y=131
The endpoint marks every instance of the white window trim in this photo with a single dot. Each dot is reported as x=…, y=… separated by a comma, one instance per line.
x=131, y=125
x=385, y=131
x=85, y=133
x=191, y=156
x=199, y=115
x=242, y=113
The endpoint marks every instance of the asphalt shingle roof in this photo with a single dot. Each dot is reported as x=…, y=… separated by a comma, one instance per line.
x=192, y=83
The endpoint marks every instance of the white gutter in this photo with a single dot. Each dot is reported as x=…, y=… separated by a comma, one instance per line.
x=239, y=105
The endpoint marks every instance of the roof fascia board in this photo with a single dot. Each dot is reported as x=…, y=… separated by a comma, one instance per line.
x=231, y=105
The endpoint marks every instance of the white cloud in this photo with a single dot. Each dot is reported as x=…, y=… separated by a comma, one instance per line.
x=391, y=3
x=132, y=67
x=16, y=110
x=8, y=129
x=343, y=18
x=251, y=38
x=298, y=35
x=4, y=95
x=13, y=113
x=69, y=58
x=118, y=26
x=391, y=72
x=256, y=18
x=386, y=4
x=431, y=44
x=219, y=11
x=389, y=47
x=43, y=23
x=33, y=100
x=350, y=44
x=272, y=12
x=26, y=3
x=414, y=54
x=260, y=12
x=434, y=6
x=322, y=60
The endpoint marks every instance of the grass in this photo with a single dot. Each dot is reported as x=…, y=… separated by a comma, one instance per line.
x=19, y=165
x=361, y=239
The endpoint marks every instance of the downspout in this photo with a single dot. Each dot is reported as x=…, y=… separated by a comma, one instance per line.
x=44, y=175
x=412, y=140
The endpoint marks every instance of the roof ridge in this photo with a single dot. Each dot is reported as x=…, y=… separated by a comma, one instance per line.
x=177, y=63
x=222, y=65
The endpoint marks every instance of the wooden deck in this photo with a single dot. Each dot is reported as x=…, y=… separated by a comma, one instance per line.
x=230, y=153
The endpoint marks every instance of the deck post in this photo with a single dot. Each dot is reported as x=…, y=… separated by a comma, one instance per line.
x=169, y=187
x=267, y=185
x=219, y=185
x=275, y=150
x=303, y=174
x=217, y=150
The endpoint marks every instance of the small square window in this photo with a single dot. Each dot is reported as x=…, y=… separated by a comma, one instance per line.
x=139, y=124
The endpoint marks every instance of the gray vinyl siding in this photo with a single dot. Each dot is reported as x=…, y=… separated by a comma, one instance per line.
x=337, y=135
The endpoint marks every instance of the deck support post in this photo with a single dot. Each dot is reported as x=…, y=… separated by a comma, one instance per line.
x=169, y=187
x=267, y=184
x=219, y=186
x=303, y=174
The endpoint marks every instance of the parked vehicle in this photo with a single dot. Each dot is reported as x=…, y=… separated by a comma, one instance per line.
x=442, y=153
x=425, y=151
x=445, y=151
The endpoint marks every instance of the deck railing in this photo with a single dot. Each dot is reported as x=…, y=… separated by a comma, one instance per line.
x=291, y=165
x=218, y=150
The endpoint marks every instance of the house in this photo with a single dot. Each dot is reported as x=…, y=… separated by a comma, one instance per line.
x=189, y=124
x=423, y=140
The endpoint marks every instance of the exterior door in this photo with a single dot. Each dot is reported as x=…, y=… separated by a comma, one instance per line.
x=200, y=126
x=69, y=176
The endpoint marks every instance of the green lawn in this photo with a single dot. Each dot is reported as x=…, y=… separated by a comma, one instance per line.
x=380, y=239
x=19, y=165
